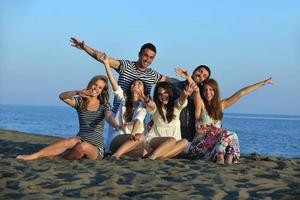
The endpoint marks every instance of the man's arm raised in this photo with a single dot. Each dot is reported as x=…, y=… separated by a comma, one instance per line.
x=115, y=64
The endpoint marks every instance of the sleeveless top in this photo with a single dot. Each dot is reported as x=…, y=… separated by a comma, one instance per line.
x=206, y=120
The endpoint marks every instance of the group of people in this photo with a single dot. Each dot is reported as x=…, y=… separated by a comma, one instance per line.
x=186, y=116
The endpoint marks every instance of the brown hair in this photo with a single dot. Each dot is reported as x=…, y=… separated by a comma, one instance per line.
x=129, y=104
x=213, y=107
x=170, y=106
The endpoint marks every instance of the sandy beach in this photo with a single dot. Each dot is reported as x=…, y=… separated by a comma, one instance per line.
x=257, y=177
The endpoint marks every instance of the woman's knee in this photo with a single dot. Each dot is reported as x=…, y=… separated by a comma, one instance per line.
x=83, y=147
x=184, y=142
x=140, y=137
x=171, y=140
x=71, y=142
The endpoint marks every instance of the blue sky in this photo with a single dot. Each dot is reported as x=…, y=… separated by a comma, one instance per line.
x=242, y=42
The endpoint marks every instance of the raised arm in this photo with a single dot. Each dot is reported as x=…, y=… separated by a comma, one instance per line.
x=168, y=79
x=196, y=93
x=150, y=104
x=246, y=90
x=104, y=59
x=184, y=74
x=198, y=102
x=188, y=90
x=67, y=97
x=93, y=53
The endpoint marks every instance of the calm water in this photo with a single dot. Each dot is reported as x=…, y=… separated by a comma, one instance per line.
x=276, y=135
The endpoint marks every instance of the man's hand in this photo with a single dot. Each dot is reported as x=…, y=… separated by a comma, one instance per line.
x=76, y=43
x=180, y=72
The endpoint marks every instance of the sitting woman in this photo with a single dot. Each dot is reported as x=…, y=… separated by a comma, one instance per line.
x=164, y=139
x=211, y=142
x=92, y=107
x=130, y=116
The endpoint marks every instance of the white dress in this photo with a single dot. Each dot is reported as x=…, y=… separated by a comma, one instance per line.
x=162, y=128
x=138, y=114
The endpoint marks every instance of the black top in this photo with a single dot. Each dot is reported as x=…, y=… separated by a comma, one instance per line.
x=187, y=115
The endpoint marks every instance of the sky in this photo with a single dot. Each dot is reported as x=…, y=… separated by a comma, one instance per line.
x=243, y=42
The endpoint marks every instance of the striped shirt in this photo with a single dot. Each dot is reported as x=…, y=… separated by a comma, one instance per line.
x=128, y=72
x=91, y=123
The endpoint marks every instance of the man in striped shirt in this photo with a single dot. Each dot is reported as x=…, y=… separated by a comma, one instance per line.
x=129, y=70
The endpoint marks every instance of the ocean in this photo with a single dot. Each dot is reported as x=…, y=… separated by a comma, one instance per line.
x=274, y=135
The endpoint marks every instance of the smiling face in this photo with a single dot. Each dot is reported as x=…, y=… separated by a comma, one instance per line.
x=137, y=88
x=163, y=96
x=200, y=75
x=97, y=87
x=208, y=92
x=146, y=57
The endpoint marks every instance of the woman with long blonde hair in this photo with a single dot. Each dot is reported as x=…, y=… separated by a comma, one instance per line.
x=92, y=106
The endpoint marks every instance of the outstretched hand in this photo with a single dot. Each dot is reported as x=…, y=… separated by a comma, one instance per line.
x=76, y=43
x=189, y=89
x=180, y=72
x=268, y=81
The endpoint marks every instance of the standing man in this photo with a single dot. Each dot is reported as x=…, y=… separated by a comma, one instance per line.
x=187, y=115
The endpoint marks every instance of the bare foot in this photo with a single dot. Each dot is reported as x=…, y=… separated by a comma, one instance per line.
x=229, y=159
x=152, y=157
x=26, y=157
x=220, y=160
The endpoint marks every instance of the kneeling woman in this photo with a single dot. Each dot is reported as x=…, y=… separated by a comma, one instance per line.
x=92, y=107
x=164, y=138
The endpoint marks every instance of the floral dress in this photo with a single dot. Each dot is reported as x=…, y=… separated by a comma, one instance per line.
x=211, y=140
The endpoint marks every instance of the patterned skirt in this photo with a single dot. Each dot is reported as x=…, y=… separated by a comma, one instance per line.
x=209, y=142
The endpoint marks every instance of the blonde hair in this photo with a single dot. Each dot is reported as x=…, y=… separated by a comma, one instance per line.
x=104, y=95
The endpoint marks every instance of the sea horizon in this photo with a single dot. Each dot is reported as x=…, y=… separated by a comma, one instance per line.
x=278, y=115
x=265, y=134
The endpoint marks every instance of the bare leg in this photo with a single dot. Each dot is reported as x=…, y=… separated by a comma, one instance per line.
x=73, y=154
x=118, y=141
x=228, y=159
x=138, y=151
x=128, y=144
x=179, y=147
x=52, y=150
x=81, y=150
x=220, y=159
x=162, y=146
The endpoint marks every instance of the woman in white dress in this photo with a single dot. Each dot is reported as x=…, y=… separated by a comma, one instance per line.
x=164, y=139
x=129, y=137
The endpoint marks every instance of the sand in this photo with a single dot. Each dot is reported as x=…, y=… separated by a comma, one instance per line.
x=257, y=177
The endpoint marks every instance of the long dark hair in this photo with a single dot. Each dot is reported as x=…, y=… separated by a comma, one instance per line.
x=103, y=96
x=213, y=108
x=129, y=103
x=170, y=106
